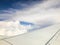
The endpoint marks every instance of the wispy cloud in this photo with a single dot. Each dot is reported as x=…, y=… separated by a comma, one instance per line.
x=9, y=8
x=39, y=11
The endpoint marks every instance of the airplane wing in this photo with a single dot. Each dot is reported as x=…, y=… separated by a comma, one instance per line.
x=34, y=15
x=43, y=36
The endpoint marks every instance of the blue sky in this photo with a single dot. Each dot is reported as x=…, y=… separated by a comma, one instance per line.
x=7, y=6
x=14, y=8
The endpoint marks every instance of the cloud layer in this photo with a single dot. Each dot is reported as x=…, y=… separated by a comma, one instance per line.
x=41, y=13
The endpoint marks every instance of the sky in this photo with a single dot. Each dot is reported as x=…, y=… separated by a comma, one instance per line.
x=7, y=7
x=28, y=12
x=5, y=4
x=14, y=9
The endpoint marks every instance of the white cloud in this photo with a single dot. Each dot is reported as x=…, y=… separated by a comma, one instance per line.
x=39, y=12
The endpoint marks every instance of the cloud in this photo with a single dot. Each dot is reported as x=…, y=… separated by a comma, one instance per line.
x=39, y=13
x=10, y=7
